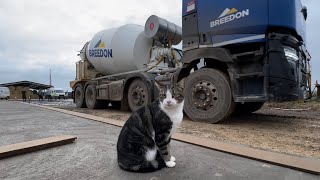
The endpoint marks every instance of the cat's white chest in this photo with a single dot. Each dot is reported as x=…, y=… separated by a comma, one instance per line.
x=176, y=116
x=176, y=120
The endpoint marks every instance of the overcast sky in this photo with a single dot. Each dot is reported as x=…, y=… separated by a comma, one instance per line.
x=37, y=35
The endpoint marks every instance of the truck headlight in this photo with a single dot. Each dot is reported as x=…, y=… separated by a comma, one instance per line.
x=290, y=53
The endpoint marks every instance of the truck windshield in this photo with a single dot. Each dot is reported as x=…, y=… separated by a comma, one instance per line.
x=59, y=91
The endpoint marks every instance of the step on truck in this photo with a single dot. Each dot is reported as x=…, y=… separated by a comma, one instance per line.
x=236, y=56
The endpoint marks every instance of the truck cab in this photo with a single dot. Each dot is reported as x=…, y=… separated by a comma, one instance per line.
x=253, y=52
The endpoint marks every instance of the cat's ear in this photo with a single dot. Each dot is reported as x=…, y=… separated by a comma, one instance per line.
x=181, y=83
x=157, y=85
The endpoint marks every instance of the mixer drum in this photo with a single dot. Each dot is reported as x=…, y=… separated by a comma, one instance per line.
x=119, y=50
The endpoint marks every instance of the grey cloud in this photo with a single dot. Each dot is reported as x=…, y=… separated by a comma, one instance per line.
x=38, y=35
x=61, y=75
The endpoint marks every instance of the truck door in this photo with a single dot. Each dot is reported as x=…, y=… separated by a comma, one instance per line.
x=190, y=32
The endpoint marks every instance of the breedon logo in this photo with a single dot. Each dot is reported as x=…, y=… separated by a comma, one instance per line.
x=100, y=50
x=100, y=44
x=228, y=16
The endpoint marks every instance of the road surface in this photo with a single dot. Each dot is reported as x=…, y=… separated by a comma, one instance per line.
x=93, y=155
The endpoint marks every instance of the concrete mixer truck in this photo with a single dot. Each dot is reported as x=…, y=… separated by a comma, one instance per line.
x=236, y=56
x=119, y=65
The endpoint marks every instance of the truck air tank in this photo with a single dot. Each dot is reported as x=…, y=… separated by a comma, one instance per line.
x=119, y=50
x=158, y=28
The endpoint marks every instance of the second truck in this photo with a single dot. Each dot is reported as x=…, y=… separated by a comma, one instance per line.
x=236, y=55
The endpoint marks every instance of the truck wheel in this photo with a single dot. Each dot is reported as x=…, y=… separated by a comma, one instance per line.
x=91, y=98
x=247, y=108
x=138, y=95
x=208, y=96
x=79, y=96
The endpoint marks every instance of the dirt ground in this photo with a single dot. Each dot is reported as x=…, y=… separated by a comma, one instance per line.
x=292, y=128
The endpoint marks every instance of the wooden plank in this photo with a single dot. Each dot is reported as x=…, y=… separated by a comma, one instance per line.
x=35, y=145
x=294, y=162
x=85, y=116
x=309, y=165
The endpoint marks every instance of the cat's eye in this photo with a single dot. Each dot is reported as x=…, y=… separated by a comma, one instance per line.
x=163, y=96
x=178, y=96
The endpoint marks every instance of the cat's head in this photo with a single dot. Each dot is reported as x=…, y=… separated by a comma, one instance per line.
x=171, y=96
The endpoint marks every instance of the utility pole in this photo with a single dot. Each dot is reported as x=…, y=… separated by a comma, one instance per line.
x=50, y=78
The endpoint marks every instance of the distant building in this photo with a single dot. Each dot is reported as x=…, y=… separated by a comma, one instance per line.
x=32, y=89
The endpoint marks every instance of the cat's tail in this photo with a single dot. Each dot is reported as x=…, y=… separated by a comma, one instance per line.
x=151, y=166
x=146, y=166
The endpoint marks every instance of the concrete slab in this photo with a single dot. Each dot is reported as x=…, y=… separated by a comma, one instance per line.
x=93, y=156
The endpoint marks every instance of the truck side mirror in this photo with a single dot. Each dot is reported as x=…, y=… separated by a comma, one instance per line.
x=305, y=12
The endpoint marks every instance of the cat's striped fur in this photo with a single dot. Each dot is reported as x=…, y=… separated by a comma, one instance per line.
x=144, y=141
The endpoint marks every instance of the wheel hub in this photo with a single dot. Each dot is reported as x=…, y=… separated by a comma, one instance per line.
x=138, y=96
x=204, y=95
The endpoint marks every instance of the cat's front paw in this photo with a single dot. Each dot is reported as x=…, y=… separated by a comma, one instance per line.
x=170, y=164
x=172, y=159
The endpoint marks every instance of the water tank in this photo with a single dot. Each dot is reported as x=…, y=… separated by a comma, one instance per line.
x=119, y=50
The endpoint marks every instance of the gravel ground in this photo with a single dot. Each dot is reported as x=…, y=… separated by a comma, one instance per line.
x=292, y=128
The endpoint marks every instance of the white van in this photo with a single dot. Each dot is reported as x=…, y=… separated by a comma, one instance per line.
x=55, y=94
x=4, y=93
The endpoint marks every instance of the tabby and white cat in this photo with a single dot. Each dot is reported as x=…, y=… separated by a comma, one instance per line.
x=144, y=141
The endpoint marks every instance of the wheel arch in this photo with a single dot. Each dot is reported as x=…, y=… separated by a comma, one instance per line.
x=82, y=83
x=216, y=58
x=86, y=84
x=220, y=54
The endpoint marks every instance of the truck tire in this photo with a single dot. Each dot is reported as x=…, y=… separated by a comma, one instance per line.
x=208, y=96
x=247, y=108
x=79, y=96
x=138, y=94
x=91, y=98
